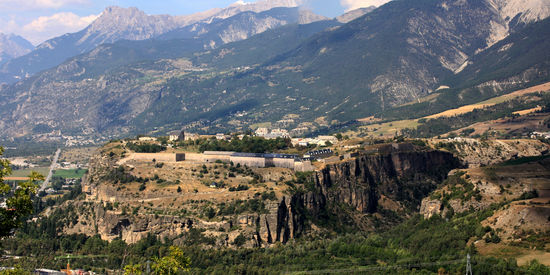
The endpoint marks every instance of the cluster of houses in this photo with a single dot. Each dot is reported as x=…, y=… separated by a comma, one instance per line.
x=68, y=185
x=320, y=141
x=182, y=136
x=273, y=134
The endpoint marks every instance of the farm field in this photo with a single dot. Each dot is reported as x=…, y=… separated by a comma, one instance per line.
x=70, y=173
x=493, y=101
x=25, y=172
x=508, y=126
x=389, y=129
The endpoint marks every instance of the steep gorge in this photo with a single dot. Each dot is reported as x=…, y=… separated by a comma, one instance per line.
x=367, y=188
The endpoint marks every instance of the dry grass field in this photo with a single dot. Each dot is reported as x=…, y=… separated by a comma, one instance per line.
x=389, y=129
x=493, y=101
x=525, y=123
x=77, y=155
x=188, y=187
x=522, y=255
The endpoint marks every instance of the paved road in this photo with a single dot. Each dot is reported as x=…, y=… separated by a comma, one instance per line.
x=52, y=167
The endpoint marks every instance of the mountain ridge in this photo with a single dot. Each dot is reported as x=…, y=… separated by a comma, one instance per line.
x=116, y=23
x=332, y=76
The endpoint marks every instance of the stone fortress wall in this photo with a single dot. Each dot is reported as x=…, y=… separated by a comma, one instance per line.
x=250, y=160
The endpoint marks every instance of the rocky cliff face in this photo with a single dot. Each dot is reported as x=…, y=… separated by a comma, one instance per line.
x=362, y=190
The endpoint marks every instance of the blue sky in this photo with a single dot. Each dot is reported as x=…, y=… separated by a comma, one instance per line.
x=39, y=20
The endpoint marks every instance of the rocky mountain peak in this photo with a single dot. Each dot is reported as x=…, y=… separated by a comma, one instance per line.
x=12, y=46
x=525, y=11
x=511, y=13
x=129, y=23
x=260, y=6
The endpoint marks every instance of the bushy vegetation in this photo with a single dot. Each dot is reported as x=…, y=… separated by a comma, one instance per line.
x=145, y=147
x=119, y=175
x=458, y=187
x=247, y=145
x=240, y=206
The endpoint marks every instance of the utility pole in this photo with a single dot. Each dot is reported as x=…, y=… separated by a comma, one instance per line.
x=468, y=265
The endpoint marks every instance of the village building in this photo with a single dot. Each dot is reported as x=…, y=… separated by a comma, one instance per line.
x=221, y=136
x=331, y=139
x=304, y=142
x=545, y=135
x=191, y=136
x=260, y=132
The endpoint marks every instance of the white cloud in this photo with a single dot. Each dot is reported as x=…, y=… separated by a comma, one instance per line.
x=22, y=5
x=46, y=27
x=355, y=4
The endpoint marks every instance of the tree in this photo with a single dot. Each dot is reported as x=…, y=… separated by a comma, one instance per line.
x=171, y=264
x=132, y=269
x=18, y=202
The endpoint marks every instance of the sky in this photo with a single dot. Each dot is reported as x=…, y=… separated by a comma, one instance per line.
x=40, y=20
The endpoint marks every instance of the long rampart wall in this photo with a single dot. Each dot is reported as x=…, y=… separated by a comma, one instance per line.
x=168, y=157
x=249, y=161
x=284, y=163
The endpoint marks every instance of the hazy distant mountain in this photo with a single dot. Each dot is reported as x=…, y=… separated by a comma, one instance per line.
x=12, y=46
x=242, y=25
x=116, y=24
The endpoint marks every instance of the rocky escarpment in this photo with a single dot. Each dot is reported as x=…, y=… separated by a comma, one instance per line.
x=476, y=153
x=363, y=193
x=355, y=191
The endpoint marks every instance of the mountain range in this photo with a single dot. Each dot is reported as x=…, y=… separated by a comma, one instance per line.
x=116, y=23
x=263, y=66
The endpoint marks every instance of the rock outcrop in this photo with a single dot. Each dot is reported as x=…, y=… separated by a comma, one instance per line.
x=358, y=188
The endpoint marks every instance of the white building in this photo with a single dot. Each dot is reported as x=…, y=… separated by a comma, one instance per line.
x=331, y=139
x=261, y=132
x=221, y=136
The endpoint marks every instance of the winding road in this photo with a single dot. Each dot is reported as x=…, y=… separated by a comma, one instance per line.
x=52, y=167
